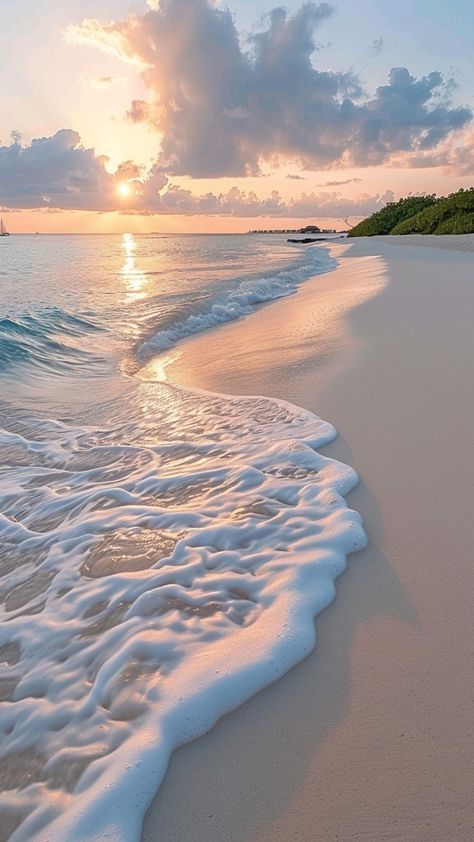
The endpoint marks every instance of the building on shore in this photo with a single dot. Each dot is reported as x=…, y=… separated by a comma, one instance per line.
x=309, y=229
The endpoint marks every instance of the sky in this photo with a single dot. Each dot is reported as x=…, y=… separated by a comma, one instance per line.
x=194, y=115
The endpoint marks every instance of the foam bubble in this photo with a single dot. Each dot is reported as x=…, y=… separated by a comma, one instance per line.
x=154, y=574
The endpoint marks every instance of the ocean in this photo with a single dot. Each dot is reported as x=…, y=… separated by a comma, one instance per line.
x=163, y=551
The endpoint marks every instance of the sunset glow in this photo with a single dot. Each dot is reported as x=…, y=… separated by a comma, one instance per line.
x=155, y=133
x=236, y=344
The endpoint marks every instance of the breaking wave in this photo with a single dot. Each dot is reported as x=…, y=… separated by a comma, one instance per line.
x=237, y=301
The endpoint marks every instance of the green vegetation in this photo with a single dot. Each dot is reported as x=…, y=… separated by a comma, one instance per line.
x=391, y=215
x=453, y=214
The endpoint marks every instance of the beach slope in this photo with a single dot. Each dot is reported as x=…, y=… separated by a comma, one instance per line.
x=370, y=738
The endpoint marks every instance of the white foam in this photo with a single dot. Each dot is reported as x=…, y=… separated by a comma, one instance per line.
x=234, y=303
x=155, y=575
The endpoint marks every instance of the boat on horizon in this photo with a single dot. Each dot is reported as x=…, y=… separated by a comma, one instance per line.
x=3, y=230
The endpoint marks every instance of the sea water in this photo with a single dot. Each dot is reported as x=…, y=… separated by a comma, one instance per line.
x=163, y=551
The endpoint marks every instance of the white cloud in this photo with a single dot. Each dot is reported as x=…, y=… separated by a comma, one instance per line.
x=220, y=109
x=58, y=173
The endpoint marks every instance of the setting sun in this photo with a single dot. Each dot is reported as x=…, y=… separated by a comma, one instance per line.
x=124, y=189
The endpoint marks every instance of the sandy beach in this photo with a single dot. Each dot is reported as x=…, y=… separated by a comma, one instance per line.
x=370, y=738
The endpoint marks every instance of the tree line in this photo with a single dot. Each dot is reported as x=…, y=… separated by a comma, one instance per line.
x=453, y=214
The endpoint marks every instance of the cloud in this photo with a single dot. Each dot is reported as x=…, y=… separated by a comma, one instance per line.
x=453, y=155
x=340, y=183
x=237, y=203
x=407, y=115
x=57, y=173
x=220, y=108
x=336, y=183
x=104, y=82
x=376, y=46
x=113, y=39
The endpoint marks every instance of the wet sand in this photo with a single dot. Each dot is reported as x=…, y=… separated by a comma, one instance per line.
x=370, y=738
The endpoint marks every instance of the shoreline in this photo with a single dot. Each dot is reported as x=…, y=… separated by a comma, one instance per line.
x=358, y=742
x=317, y=340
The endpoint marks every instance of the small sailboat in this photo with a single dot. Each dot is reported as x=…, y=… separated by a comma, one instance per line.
x=3, y=230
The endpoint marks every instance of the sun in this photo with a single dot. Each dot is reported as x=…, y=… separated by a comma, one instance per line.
x=123, y=189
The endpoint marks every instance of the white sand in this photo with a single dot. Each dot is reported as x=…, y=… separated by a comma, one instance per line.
x=370, y=738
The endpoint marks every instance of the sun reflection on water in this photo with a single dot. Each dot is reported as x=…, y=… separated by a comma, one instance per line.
x=156, y=369
x=134, y=278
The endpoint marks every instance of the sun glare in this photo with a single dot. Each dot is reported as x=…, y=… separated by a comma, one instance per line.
x=124, y=189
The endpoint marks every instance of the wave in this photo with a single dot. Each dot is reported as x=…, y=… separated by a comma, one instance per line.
x=50, y=339
x=238, y=301
x=156, y=573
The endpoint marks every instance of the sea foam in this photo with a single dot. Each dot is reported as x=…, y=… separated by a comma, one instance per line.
x=155, y=573
x=238, y=300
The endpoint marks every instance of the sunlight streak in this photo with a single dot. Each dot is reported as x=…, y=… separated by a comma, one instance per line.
x=134, y=278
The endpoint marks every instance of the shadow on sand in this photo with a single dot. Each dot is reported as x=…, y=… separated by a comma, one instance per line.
x=238, y=781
